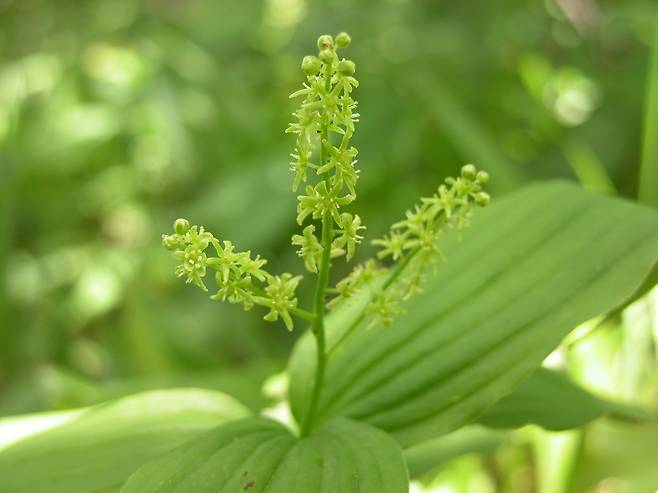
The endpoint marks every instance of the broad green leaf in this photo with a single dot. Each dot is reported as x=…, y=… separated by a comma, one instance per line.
x=532, y=267
x=96, y=449
x=260, y=455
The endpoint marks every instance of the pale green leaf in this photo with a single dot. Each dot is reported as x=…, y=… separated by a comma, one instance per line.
x=532, y=267
x=96, y=449
x=259, y=455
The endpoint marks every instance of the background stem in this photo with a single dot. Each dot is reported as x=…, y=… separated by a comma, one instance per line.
x=648, y=186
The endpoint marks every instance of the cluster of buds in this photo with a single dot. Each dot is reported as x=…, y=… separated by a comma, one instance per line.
x=324, y=126
x=240, y=278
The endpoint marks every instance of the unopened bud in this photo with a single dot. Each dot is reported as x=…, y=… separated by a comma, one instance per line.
x=327, y=56
x=346, y=67
x=469, y=172
x=482, y=177
x=343, y=40
x=482, y=199
x=325, y=42
x=311, y=65
x=181, y=226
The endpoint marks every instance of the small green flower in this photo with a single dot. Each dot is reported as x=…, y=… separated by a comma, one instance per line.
x=309, y=248
x=189, y=245
x=236, y=290
x=385, y=307
x=192, y=265
x=349, y=234
x=342, y=161
x=319, y=201
x=362, y=275
x=280, y=298
x=252, y=266
x=392, y=244
x=226, y=260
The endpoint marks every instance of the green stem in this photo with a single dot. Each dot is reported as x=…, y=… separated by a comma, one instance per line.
x=303, y=314
x=318, y=325
x=323, y=279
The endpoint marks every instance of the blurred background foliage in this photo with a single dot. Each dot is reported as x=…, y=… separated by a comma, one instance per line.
x=117, y=116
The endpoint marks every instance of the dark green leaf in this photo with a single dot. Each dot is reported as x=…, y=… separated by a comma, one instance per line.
x=96, y=449
x=531, y=268
x=258, y=455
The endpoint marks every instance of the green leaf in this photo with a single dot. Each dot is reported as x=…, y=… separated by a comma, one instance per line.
x=96, y=449
x=425, y=456
x=554, y=402
x=532, y=267
x=258, y=455
x=547, y=399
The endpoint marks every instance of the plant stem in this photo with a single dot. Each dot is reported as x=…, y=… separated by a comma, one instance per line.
x=318, y=325
x=323, y=280
x=303, y=314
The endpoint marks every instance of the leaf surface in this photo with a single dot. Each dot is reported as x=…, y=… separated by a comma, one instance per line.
x=259, y=455
x=96, y=449
x=532, y=267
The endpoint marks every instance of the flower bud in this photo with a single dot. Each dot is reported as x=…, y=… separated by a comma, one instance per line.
x=482, y=177
x=482, y=199
x=325, y=42
x=469, y=172
x=311, y=65
x=181, y=226
x=169, y=242
x=343, y=40
x=327, y=56
x=346, y=67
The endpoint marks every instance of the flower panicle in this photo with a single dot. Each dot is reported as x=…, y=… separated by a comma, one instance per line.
x=240, y=278
x=324, y=124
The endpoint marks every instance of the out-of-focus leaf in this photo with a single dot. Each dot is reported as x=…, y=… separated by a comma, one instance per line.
x=532, y=267
x=259, y=455
x=548, y=400
x=98, y=448
x=425, y=456
x=648, y=187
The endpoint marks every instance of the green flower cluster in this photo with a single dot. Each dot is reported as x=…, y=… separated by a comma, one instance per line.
x=450, y=207
x=324, y=125
x=413, y=243
x=240, y=278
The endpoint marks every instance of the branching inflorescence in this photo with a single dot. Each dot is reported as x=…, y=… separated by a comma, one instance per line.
x=324, y=162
